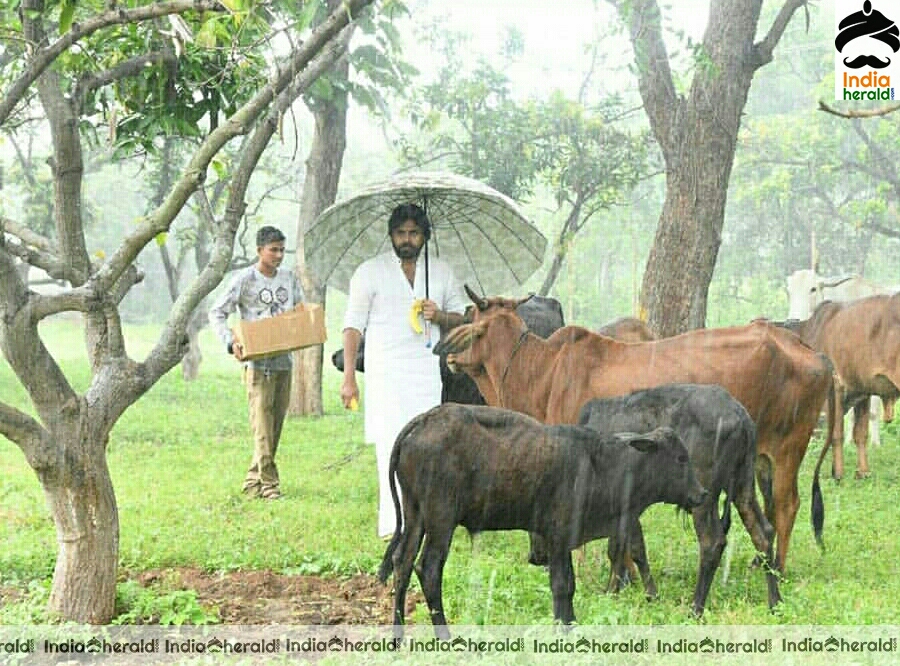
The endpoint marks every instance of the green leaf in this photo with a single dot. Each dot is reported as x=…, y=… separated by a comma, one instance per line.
x=307, y=14
x=206, y=35
x=161, y=238
x=66, y=14
x=219, y=167
x=321, y=89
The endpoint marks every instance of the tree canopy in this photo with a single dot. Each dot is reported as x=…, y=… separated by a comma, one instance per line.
x=203, y=70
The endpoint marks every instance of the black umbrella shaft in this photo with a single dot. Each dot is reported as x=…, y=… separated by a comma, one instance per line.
x=425, y=210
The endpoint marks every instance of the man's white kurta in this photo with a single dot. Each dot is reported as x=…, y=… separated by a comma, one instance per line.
x=403, y=376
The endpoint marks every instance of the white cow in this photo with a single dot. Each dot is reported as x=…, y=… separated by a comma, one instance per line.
x=807, y=290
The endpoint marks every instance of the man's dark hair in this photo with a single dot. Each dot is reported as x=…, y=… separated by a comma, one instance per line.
x=267, y=235
x=410, y=211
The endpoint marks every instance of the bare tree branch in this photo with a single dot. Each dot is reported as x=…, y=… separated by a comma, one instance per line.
x=123, y=70
x=24, y=160
x=35, y=368
x=657, y=88
x=240, y=123
x=27, y=433
x=858, y=113
x=51, y=263
x=27, y=236
x=881, y=229
x=588, y=75
x=766, y=47
x=885, y=163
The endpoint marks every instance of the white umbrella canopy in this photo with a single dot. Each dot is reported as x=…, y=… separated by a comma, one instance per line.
x=481, y=233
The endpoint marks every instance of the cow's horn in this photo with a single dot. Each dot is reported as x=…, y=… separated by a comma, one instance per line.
x=836, y=281
x=480, y=303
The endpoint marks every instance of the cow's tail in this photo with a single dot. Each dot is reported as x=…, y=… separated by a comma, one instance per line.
x=387, y=562
x=749, y=430
x=818, y=504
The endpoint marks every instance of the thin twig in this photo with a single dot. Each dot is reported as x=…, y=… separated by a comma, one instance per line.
x=861, y=113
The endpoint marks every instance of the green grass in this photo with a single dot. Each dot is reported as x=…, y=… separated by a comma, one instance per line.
x=178, y=458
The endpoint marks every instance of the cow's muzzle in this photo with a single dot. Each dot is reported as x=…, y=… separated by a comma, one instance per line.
x=696, y=499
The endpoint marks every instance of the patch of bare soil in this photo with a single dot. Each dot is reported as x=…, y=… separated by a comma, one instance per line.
x=265, y=597
x=10, y=594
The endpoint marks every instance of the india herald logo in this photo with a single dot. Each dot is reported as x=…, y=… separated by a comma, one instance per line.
x=867, y=23
x=867, y=41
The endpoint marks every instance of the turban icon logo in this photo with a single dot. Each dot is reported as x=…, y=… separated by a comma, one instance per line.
x=866, y=42
x=867, y=23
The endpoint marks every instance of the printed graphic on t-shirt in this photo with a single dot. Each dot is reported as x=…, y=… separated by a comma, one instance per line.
x=275, y=302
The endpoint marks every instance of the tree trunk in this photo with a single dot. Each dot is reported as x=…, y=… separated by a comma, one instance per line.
x=323, y=172
x=190, y=364
x=698, y=138
x=306, y=393
x=81, y=499
x=563, y=245
x=683, y=257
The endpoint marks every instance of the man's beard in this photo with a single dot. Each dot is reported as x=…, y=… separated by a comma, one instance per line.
x=407, y=251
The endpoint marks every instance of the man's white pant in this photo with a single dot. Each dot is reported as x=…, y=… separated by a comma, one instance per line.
x=387, y=517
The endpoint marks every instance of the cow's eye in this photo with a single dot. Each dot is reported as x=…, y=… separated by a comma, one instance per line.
x=682, y=459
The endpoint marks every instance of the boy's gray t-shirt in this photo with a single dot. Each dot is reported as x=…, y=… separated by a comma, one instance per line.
x=255, y=296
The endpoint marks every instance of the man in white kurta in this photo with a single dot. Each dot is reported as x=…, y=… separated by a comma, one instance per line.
x=402, y=374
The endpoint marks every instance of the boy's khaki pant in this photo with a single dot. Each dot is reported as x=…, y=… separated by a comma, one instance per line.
x=268, y=394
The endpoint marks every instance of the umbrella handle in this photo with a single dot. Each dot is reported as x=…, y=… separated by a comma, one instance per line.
x=427, y=334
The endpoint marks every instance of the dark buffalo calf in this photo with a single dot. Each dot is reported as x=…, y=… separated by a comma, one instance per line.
x=721, y=440
x=492, y=469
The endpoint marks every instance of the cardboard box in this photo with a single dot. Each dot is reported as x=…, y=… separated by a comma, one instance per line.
x=304, y=326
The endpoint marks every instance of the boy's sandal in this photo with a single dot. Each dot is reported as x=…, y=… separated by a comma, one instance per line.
x=270, y=493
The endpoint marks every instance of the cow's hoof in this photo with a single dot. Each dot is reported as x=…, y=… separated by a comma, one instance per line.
x=538, y=559
x=863, y=475
x=761, y=562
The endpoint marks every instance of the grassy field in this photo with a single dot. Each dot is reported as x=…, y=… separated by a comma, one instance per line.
x=178, y=457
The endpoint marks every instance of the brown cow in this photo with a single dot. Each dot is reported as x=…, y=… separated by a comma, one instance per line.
x=781, y=382
x=627, y=329
x=862, y=339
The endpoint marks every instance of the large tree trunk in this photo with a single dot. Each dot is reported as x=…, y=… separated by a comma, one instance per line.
x=81, y=499
x=698, y=137
x=190, y=364
x=323, y=173
x=683, y=257
x=65, y=443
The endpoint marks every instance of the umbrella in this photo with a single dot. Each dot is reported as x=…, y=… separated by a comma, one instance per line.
x=481, y=233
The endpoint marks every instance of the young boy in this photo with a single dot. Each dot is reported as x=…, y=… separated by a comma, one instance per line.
x=256, y=292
